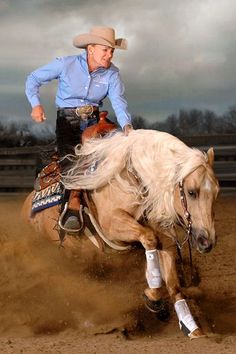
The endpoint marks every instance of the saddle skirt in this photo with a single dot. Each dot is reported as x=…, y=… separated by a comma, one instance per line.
x=47, y=197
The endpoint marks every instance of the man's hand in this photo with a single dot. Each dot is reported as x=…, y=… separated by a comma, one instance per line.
x=127, y=129
x=37, y=114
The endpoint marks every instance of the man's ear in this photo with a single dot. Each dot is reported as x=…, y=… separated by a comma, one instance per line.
x=211, y=155
x=90, y=48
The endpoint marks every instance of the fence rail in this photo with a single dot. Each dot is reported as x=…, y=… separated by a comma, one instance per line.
x=18, y=167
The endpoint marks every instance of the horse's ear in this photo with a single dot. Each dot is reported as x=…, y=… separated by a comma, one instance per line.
x=210, y=155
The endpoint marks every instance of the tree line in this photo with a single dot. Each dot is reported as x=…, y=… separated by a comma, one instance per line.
x=17, y=133
x=193, y=122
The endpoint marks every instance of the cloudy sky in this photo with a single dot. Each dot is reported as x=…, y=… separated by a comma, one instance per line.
x=181, y=53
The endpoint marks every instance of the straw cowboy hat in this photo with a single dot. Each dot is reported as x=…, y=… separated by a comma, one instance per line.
x=100, y=35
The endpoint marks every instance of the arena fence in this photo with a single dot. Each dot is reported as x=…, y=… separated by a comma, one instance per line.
x=19, y=166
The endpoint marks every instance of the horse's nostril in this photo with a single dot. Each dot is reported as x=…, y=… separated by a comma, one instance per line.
x=204, y=244
x=203, y=241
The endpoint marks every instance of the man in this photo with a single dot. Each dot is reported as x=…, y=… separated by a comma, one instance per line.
x=84, y=81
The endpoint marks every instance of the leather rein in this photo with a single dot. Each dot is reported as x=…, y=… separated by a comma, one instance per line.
x=187, y=216
x=188, y=231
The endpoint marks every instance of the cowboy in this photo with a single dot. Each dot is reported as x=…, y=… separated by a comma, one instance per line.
x=84, y=81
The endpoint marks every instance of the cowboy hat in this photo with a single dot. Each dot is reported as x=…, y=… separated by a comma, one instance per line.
x=100, y=35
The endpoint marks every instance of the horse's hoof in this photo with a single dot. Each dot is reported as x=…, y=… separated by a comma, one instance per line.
x=197, y=333
x=159, y=307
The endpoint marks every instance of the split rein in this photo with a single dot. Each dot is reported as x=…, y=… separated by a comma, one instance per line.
x=188, y=230
x=187, y=216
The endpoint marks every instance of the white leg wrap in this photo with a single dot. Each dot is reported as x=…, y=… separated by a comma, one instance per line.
x=186, y=321
x=153, y=274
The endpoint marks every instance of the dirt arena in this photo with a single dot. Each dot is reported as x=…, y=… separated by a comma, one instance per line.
x=88, y=302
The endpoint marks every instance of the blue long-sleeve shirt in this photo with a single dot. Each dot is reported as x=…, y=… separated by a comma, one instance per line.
x=77, y=87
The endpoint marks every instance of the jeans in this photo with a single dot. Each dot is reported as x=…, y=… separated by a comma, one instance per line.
x=69, y=130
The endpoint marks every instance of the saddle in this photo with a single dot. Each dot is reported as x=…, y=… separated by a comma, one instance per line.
x=103, y=127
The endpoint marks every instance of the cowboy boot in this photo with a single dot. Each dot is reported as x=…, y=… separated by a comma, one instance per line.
x=72, y=221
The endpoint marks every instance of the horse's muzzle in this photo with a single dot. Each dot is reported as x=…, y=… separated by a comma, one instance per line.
x=202, y=241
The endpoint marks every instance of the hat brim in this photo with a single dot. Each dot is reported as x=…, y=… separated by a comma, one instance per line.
x=83, y=40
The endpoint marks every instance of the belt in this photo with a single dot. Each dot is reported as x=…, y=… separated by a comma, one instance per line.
x=82, y=112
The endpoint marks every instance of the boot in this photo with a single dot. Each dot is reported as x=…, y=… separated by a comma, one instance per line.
x=71, y=221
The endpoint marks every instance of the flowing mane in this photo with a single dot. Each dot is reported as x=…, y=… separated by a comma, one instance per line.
x=159, y=159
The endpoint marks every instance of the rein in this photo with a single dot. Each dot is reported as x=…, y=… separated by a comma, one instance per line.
x=188, y=230
x=187, y=216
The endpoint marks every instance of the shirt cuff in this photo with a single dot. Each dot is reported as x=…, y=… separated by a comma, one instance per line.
x=34, y=102
x=123, y=121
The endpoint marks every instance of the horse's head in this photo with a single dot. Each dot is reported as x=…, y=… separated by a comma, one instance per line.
x=194, y=201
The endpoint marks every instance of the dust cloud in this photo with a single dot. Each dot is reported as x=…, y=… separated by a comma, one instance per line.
x=43, y=290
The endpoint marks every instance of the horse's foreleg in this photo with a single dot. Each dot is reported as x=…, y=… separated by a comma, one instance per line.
x=169, y=274
x=125, y=228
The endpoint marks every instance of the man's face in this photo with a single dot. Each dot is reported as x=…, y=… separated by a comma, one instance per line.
x=100, y=56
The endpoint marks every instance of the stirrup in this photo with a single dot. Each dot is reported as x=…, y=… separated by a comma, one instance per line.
x=62, y=216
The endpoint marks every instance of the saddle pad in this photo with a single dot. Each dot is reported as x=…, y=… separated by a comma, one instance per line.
x=50, y=196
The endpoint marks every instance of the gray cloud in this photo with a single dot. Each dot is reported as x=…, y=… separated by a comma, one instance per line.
x=181, y=52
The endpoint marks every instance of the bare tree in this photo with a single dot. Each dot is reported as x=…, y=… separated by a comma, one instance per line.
x=139, y=123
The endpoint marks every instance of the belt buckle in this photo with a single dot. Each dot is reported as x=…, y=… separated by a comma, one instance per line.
x=84, y=112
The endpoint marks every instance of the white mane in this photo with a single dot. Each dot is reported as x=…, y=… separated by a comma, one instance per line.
x=159, y=159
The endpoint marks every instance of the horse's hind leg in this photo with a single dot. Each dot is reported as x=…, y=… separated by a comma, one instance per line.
x=169, y=274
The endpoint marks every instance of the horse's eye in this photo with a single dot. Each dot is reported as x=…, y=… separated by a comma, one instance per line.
x=192, y=194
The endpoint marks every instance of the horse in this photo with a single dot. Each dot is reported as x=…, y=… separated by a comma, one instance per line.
x=142, y=186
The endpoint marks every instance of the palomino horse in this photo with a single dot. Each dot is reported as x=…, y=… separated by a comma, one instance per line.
x=142, y=185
